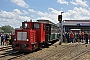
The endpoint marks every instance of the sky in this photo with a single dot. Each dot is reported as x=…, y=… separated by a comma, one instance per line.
x=14, y=12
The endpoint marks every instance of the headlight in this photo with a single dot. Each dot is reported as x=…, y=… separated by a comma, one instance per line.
x=14, y=39
x=27, y=39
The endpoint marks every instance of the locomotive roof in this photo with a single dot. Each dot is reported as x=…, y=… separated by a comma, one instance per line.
x=45, y=21
x=48, y=22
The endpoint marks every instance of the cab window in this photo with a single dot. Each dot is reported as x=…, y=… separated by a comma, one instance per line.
x=36, y=25
x=25, y=25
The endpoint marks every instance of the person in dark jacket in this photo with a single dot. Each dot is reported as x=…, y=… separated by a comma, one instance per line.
x=8, y=38
x=86, y=37
x=79, y=36
x=12, y=39
x=67, y=37
x=2, y=39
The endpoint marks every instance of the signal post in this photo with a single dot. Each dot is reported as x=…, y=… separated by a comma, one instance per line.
x=60, y=28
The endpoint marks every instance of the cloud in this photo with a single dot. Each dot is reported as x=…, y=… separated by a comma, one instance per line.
x=13, y=18
x=25, y=12
x=62, y=2
x=44, y=15
x=54, y=11
x=77, y=13
x=79, y=3
x=52, y=14
x=31, y=10
x=16, y=11
x=20, y=3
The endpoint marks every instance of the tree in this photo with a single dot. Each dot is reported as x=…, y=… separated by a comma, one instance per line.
x=20, y=26
x=7, y=29
x=1, y=30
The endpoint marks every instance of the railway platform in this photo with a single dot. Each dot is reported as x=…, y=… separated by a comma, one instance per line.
x=76, y=43
x=57, y=43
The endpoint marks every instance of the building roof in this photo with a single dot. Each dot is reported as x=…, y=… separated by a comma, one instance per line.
x=75, y=22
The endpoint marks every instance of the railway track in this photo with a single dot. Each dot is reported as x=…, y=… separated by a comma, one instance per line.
x=62, y=53
x=20, y=55
x=82, y=55
x=67, y=52
x=12, y=55
x=59, y=52
x=5, y=48
x=46, y=53
x=6, y=53
x=73, y=53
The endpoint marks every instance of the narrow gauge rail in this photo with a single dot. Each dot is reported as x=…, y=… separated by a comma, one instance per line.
x=18, y=56
x=12, y=55
x=74, y=53
x=81, y=55
x=78, y=56
x=5, y=51
x=3, y=55
x=5, y=48
x=67, y=52
x=62, y=52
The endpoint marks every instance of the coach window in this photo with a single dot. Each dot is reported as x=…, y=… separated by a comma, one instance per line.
x=36, y=25
x=26, y=25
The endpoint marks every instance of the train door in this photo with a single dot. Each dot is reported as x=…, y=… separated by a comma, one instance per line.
x=39, y=27
x=48, y=32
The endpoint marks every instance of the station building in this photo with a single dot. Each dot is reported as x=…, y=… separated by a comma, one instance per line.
x=84, y=25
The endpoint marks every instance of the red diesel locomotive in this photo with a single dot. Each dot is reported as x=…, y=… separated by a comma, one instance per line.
x=34, y=35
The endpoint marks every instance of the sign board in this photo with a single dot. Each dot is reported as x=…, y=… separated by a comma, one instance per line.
x=85, y=24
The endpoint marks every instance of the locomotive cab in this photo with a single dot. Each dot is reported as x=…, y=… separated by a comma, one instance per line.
x=24, y=37
x=29, y=37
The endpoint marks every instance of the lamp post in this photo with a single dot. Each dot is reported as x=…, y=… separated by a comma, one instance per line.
x=61, y=28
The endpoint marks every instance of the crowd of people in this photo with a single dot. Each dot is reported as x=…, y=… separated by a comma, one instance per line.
x=6, y=39
x=83, y=37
